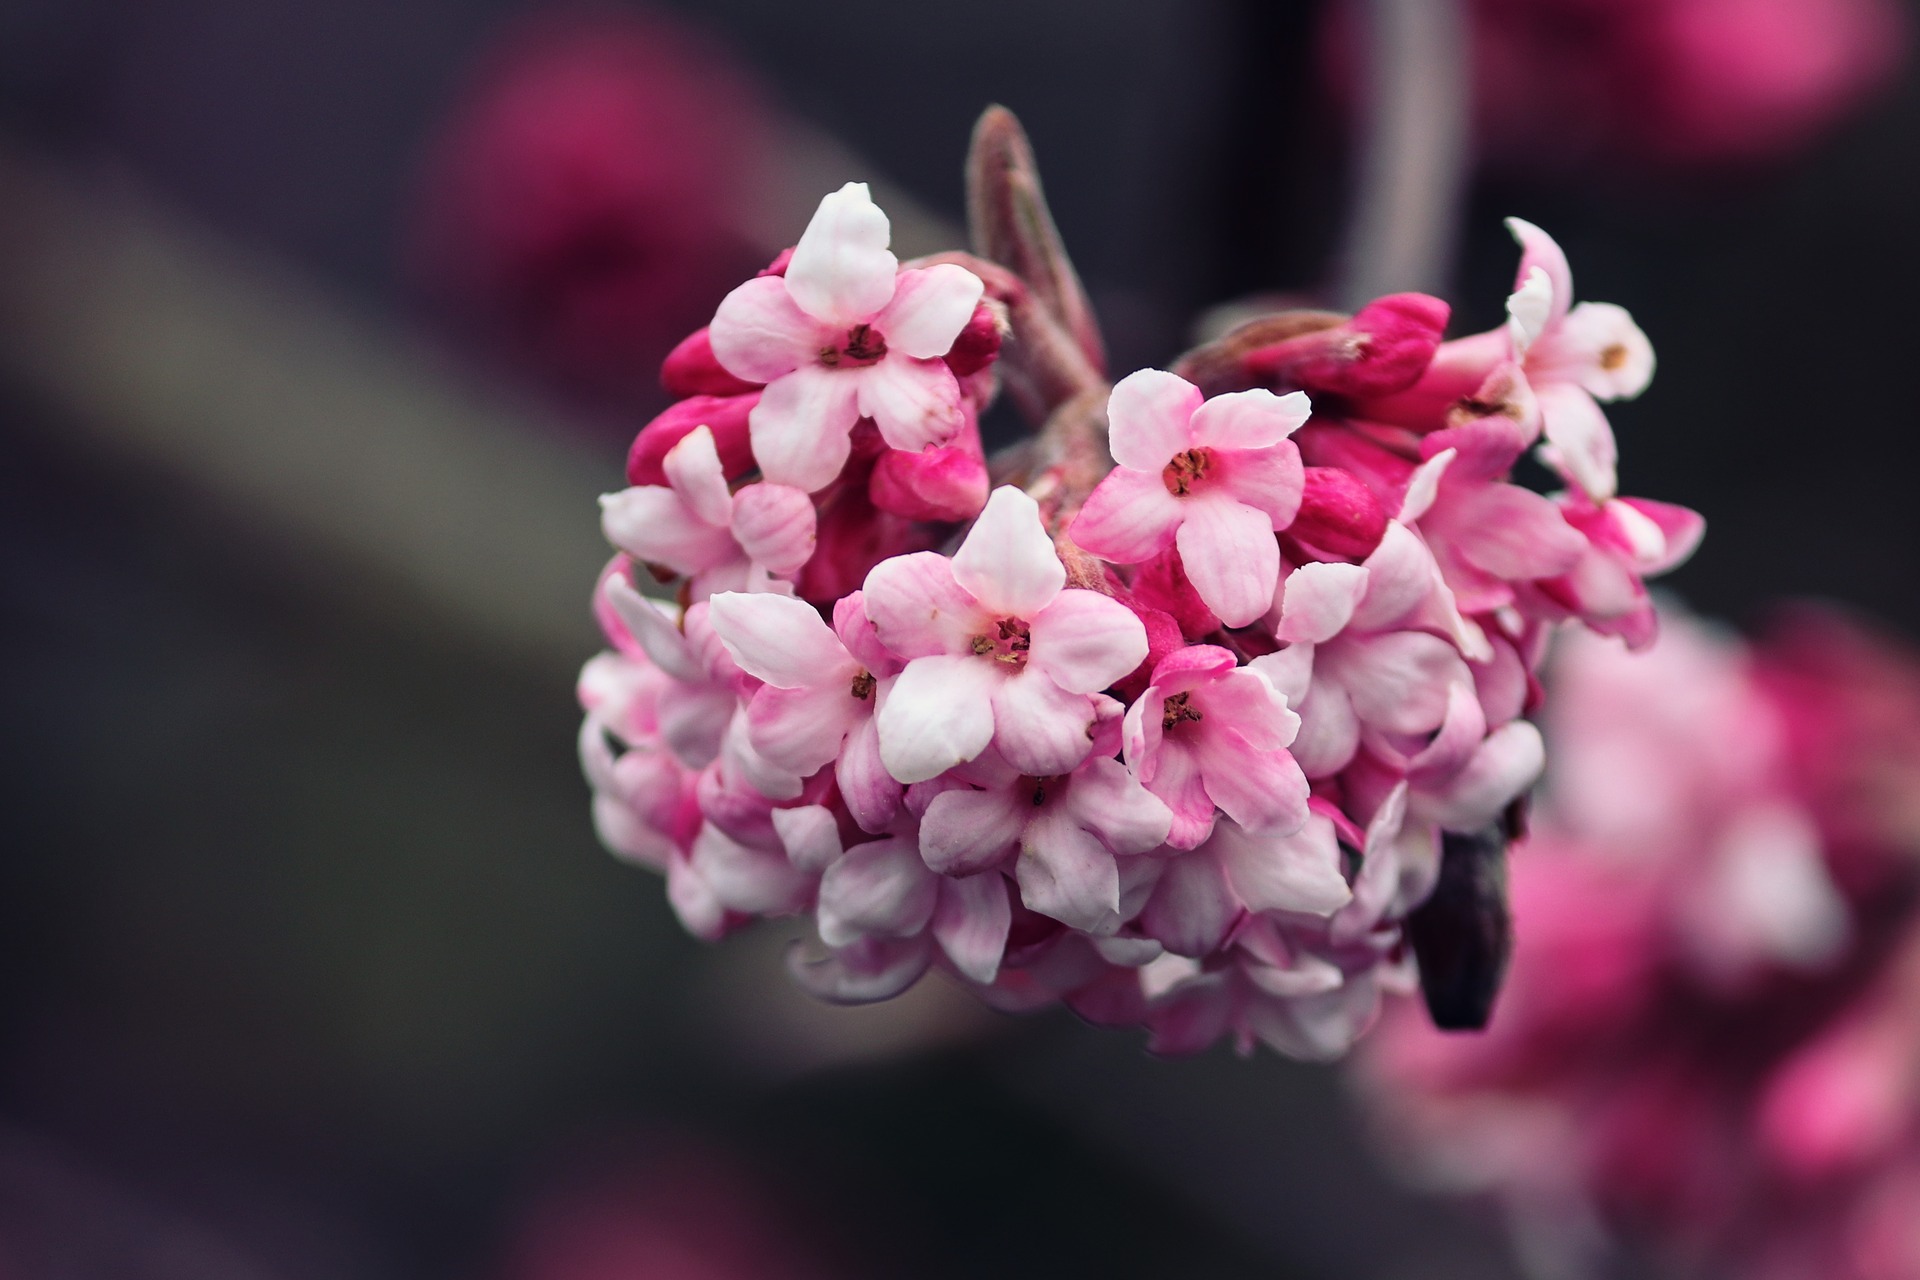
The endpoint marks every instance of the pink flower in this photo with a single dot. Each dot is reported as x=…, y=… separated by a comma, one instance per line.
x=1208, y=733
x=818, y=704
x=1573, y=357
x=845, y=334
x=998, y=649
x=1628, y=539
x=1216, y=478
x=1353, y=667
x=696, y=526
x=1066, y=831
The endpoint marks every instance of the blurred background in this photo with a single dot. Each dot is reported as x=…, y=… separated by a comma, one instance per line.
x=322, y=325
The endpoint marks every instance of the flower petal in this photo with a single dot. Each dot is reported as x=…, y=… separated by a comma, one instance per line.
x=1106, y=799
x=1262, y=790
x=1129, y=517
x=779, y=639
x=1007, y=561
x=1254, y=419
x=1329, y=730
x=1398, y=680
x=917, y=608
x=1230, y=556
x=1529, y=308
x=1040, y=728
x=1269, y=480
x=1318, y=601
x=1192, y=907
x=930, y=306
x=938, y=714
x=841, y=270
x=879, y=889
x=760, y=334
x=1297, y=872
x=1506, y=764
x=1085, y=641
x=1067, y=874
x=1601, y=348
x=965, y=831
x=1173, y=776
x=651, y=523
x=1582, y=443
x=800, y=428
x=775, y=525
x=693, y=469
x=871, y=793
x=971, y=924
x=800, y=730
x=1147, y=418
x=1539, y=251
x=915, y=403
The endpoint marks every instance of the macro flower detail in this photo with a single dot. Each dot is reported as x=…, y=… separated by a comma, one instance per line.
x=845, y=334
x=999, y=650
x=1209, y=719
x=1215, y=478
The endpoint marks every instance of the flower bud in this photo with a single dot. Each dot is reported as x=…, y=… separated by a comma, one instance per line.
x=690, y=369
x=726, y=416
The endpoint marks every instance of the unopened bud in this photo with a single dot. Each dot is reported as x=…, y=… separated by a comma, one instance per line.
x=726, y=416
x=1339, y=517
x=690, y=369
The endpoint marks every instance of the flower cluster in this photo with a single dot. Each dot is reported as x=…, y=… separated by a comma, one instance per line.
x=1709, y=1034
x=1169, y=726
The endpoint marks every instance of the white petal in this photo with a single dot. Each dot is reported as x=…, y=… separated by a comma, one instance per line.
x=657, y=633
x=1581, y=437
x=652, y=523
x=809, y=835
x=693, y=469
x=915, y=403
x=880, y=889
x=930, y=306
x=780, y=640
x=1008, y=562
x=971, y=924
x=841, y=270
x=1317, y=601
x=799, y=429
x=939, y=713
x=1528, y=309
x=1148, y=416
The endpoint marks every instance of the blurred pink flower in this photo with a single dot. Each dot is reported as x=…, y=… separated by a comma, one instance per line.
x=579, y=206
x=1707, y=1041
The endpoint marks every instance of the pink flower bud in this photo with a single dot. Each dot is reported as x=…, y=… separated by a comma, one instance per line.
x=947, y=484
x=1339, y=517
x=1385, y=348
x=726, y=416
x=978, y=344
x=690, y=369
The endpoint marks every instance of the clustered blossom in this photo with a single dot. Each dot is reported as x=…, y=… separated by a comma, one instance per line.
x=1707, y=1044
x=1174, y=739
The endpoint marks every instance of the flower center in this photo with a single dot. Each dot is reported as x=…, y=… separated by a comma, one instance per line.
x=1186, y=470
x=1613, y=356
x=1178, y=708
x=1038, y=789
x=1008, y=642
x=863, y=686
x=863, y=345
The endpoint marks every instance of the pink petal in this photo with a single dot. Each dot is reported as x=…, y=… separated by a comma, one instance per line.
x=1537, y=249
x=939, y=713
x=930, y=306
x=1423, y=486
x=653, y=524
x=881, y=888
x=1529, y=309
x=966, y=831
x=1230, y=556
x=1085, y=641
x=1581, y=437
x=809, y=835
x=759, y=334
x=1256, y=419
x=1192, y=907
x=915, y=403
x=1398, y=680
x=870, y=970
x=1682, y=529
x=1297, y=872
x=800, y=427
x=1007, y=561
x=692, y=467
x=1147, y=419
x=1269, y=480
x=1289, y=671
x=1506, y=764
x=1401, y=577
x=1246, y=702
x=1173, y=776
x=755, y=881
x=971, y=924
x=700, y=910
x=1065, y=873
x=1129, y=517
x=841, y=270
x=1512, y=533
x=775, y=525
x=779, y=639
x=1039, y=727
x=1600, y=348
x=1318, y=601
x=658, y=635
x=1262, y=790
x=1329, y=730
x=872, y=794
x=1109, y=801
x=918, y=609
x=800, y=730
